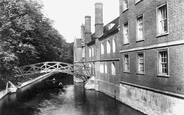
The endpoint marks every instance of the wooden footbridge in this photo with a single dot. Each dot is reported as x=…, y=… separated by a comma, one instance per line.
x=48, y=69
x=79, y=71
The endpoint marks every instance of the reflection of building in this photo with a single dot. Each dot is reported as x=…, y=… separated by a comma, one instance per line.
x=138, y=57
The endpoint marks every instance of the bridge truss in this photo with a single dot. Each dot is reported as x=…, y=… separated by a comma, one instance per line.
x=80, y=71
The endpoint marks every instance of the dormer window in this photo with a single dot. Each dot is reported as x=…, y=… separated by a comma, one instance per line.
x=110, y=26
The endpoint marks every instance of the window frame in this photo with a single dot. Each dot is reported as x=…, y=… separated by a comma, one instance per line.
x=92, y=51
x=83, y=52
x=158, y=33
x=125, y=70
x=124, y=5
x=105, y=68
x=160, y=74
x=89, y=51
x=102, y=67
x=113, y=45
x=138, y=39
x=113, y=66
x=138, y=63
x=124, y=34
x=102, y=46
x=108, y=47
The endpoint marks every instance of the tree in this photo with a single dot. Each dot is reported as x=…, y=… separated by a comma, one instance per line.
x=27, y=36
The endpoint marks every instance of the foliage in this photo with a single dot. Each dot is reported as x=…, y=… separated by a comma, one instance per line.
x=27, y=36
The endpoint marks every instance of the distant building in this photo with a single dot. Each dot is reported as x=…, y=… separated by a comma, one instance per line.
x=138, y=58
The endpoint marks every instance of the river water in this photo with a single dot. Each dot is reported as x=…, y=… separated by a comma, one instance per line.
x=72, y=100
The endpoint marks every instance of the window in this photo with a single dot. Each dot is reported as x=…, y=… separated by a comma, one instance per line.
x=83, y=52
x=113, y=46
x=163, y=62
x=113, y=68
x=92, y=51
x=89, y=52
x=89, y=65
x=105, y=67
x=102, y=48
x=101, y=68
x=126, y=63
x=125, y=33
x=140, y=62
x=140, y=28
x=125, y=5
x=162, y=25
x=108, y=47
x=92, y=69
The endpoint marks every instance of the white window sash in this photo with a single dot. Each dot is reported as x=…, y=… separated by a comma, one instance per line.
x=108, y=47
x=140, y=28
x=125, y=33
x=89, y=52
x=126, y=63
x=102, y=48
x=101, y=68
x=162, y=19
x=113, y=46
x=105, y=68
x=140, y=63
x=163, y=63
x=113, y=69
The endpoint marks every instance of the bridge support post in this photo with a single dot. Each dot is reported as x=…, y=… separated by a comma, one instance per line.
x=90, y=83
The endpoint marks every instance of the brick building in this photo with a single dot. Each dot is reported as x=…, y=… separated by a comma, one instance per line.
x=152, y=75
x=138, y=57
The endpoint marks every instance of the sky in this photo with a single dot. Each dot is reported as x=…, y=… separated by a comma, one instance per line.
x=68, y=15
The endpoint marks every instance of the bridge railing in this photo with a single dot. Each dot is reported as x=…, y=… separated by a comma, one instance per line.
x=46, y=67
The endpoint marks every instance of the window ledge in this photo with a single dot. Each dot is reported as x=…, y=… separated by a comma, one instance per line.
x=126, y=44
x=163, y=75
x=127, y=72
x=140, y=73
x=138, y=2
x=140, y=40
x=125, y=10
x=162, y=34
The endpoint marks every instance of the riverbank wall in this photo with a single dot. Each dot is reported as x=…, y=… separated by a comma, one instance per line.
x=146, y=100
x=10, y=90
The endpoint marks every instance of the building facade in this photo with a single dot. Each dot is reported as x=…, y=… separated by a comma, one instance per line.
x=138, y=57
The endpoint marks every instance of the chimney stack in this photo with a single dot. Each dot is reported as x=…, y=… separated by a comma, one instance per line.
x=98, y=19
x=82, y=31
x=87, y=29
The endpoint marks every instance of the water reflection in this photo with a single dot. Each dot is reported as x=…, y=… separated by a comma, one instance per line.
x=72, y=100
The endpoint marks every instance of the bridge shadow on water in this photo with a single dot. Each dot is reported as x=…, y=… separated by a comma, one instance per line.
x=73, y=99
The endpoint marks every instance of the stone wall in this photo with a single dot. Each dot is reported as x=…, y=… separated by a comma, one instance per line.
x=108, y=88
x=151, y=102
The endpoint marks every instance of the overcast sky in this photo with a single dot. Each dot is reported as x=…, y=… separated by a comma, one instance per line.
x=68, y=15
